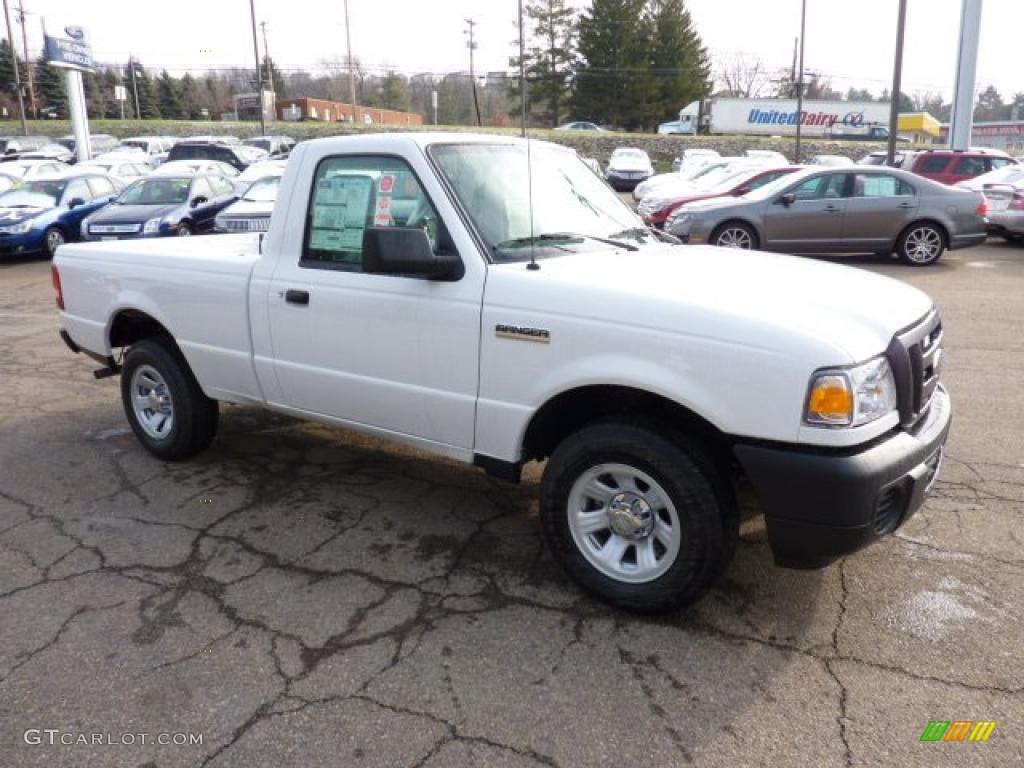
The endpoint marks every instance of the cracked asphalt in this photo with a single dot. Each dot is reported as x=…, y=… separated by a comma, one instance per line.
x=302, y=596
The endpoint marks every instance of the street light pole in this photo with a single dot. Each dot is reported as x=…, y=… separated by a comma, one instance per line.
x=800, y=80
x=351, y=69
x=17, y=76
x=28, y=64
x=472, y=72
x=259, y=71
x=897, y=73
x=522, y=72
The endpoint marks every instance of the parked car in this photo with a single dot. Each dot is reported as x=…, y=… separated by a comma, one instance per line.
x=675, y=127
x=644, y=373
x=950, y=166
x=694, y=157
x=766, y=156
x=656, y=210
x=1006, y=210
x=57, y=152
x=276, y=147
x=161, y=206
x=34, y=169
x=902, y=158
x=580, y=125
x=192, y=167
x=819, y=210
x=832, y=161
x=44, y=213
x=251, y=212
x=1012, y=174
x=260, y=170
x=121, y=167
x=98, y=143
x=701, y=177
x=155, y=147
x=13, y=146
x=627, y=167
x=231, y=141
x=190, y=149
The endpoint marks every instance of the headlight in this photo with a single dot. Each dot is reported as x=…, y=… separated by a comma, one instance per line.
x=152, y=227
x=851, y=397
x=18, y=229
x=649, y=205
x=681, y=218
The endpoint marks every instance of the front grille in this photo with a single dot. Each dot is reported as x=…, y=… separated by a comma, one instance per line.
x=246, y=225
x=915, y=356
x=114, y=229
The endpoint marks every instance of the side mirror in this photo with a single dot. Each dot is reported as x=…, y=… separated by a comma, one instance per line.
x=74, y=202
x=406, y=251
x=787, y=199
x=198, y=200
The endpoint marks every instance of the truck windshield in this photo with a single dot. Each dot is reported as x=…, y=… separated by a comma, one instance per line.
x=493, y=185
x=156, y=192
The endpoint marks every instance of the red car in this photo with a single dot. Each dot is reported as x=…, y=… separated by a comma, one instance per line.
x=949, y=166
x=656, y=210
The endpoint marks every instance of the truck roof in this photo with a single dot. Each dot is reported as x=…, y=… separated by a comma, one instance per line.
x=427, y=138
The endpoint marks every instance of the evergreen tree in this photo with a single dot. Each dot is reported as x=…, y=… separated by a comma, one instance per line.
x=168, y=97
x=679, y=60
x=189, y=92
x=49, y=84
x=614, y=83
x=550, y=55
x=277, y=84
x=394, y=92
x=7, y=82
x=109, y=79
x=149, y=106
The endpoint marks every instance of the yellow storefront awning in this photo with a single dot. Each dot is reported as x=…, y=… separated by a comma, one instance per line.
x=919, y=122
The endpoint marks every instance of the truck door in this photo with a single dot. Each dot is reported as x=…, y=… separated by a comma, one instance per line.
x=813, y=221
x=396, y=354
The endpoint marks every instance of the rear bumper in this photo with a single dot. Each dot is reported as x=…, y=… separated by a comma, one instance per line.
x=967, y=240
x=819, y=507
x=1006, y=222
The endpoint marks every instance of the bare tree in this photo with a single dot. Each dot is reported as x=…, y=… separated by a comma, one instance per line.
x=742, y=75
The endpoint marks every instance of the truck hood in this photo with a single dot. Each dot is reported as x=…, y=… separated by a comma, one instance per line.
x=758, y=299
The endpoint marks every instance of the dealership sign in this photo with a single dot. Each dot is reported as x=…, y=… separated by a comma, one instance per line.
x=70, y=50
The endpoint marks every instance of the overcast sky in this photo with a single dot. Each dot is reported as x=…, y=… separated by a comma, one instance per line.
x=849, y=41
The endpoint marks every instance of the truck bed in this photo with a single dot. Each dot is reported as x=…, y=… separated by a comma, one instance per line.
x=197, y=288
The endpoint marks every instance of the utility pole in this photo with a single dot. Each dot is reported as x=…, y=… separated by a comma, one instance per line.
x=135, y=86
x=17, y=76
x=356, y=118
x=522, y=72
x=259, y=71
x=266, y=56
x=472, y=73
x=800, y=81
x=28, y=62
x=897, y=73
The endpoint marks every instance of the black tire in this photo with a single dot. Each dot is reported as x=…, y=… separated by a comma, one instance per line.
x=1015, y=239
x=735, y=234
x=921, y=244
x=703, y=501
x=184, y=229
x=194, y=415
x=53, y=238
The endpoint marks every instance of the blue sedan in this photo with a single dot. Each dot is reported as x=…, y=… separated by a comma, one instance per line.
x=39, y=216
x=158, y=206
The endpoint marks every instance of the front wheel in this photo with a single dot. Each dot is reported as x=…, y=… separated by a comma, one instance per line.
x=921, y=245
x=168, y=411
x=640, y=520
x=53, y=239
x=183, y=229
x=735, y=235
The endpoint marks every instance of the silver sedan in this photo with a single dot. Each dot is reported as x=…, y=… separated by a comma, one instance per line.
x=855, y=210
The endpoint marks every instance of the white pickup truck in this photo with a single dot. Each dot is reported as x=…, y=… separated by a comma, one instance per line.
x=495, y=302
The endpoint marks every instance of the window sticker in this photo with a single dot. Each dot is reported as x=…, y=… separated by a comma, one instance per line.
x=340, y=210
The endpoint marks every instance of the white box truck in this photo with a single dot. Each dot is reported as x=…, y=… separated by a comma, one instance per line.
x=863, y=120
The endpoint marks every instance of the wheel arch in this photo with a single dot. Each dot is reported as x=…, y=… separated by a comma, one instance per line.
x=943, y=229
x=129, y=325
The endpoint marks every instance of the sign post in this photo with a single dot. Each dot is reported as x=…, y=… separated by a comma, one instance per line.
x=72, y=53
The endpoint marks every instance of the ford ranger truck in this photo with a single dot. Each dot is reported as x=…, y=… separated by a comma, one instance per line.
x=494, y=302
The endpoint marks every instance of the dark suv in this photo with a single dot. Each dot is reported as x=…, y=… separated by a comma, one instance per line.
x=950, y=166
x=207, y=150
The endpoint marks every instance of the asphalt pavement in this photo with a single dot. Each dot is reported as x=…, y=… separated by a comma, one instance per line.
x=304, y=596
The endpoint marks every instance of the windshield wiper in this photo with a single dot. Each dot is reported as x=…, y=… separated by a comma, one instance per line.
x=555, y=236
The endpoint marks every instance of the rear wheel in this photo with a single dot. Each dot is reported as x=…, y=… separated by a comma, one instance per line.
x=734, y=235
x=639, y=520
x=53, y=238
x=921, y=244
x=165, y=406
x=183, y=230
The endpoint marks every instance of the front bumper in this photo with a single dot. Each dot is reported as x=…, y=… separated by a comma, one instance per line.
x=623, y=182
x=821, y=506
x=22, y=244
x=1006, y=222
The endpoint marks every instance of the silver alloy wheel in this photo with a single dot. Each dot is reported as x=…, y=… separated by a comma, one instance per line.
x=151, y=402
x=734, y=237
x=183, y=230
x=54, y=239
x=923, y=245
x=624, y=523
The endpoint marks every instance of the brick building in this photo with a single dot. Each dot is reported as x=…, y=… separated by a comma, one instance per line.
x=334, y=111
